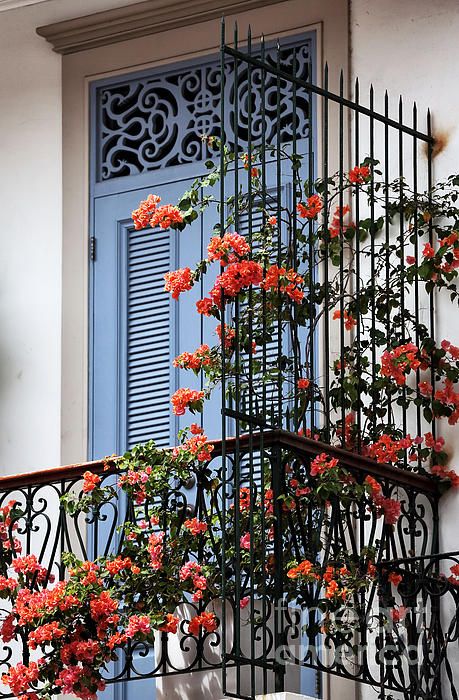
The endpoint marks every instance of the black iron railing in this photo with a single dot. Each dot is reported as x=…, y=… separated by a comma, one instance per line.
x=279, y=639
x=362, y=298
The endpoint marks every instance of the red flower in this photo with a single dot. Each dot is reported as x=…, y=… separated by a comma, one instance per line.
x=428, y=252
x=207, y=620
x=196, y=446
x=312, y=208
x=236, y=277
x=195, y=526
x=178, y=281
x=155, y=550
x=303, y=570
x=196, y=429
x=102, y=606
x=425, y=389
x=20, y=677
x=394, y=578
x=272, y=221
x=254, y=172
x=359, y=175
x=245, y=541
x=138, y=624
x=349, y=320
x=228, y=249
x=397, y=363
x=323, y=463
x=187, y=398
x=337, y=224
x=8, y=629
x=90, y=481
x=303, y=384
x=143, y=214
x=170, y=624
x=204, y=306
x=398, y=614
x=287, y=281
x=230, y=335
x=196, y=361
x=166, y=216
x=386, y=449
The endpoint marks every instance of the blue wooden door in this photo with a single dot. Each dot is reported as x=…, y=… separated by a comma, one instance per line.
x=146, y=139
x=138, y=328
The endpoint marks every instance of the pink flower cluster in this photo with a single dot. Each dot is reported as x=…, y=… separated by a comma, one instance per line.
x=192, y=570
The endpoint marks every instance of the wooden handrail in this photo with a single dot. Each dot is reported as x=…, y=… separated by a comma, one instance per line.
x=282, y=438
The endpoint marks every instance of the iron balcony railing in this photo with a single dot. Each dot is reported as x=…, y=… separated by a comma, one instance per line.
x=281, y=608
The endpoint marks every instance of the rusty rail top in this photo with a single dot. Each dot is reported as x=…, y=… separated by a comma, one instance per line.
x=282, y=438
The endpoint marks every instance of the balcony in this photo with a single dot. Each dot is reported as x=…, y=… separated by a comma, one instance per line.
x=307, y=536
x=293, y=621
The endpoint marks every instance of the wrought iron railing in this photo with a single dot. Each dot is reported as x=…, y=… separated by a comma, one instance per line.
x=275, y=640
x=363, y=297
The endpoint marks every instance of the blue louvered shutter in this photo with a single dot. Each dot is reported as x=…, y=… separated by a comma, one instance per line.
x=148, y=338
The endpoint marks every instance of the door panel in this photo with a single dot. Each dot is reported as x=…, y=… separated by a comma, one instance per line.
x=136, y=328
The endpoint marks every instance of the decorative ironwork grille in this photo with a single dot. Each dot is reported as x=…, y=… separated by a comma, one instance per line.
x=158, y=120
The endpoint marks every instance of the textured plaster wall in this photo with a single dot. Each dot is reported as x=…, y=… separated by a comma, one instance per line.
x=31, y=234
x=411, y=49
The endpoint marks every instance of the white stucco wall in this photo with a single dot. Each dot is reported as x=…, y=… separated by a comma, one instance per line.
x=411, y=49
x=30, y=234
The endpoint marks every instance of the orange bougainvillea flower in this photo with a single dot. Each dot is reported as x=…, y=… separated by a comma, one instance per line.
x=303, y=384
x=166, y=216
x=359, y=175
x=312, y=208
x=187, y=398
x=287, y=281
x=206, y=620
x=90, y=481
x=349, y=320
x=178, y=281
x=394, y=578
x=229, y=248
x=143, y=214
x=170, y=624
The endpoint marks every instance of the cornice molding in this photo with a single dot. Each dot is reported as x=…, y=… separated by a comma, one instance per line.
x=14, y=4
x=140, y=19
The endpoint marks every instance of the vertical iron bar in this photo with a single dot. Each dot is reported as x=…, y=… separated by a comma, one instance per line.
x=293, y=243
x=250, y=364
x=432, y=292
x=264, y=363
x=310, y=362
x=237, y=380
x=387, y=240
x=402, y=257
x=357, y=267
x=276, y=465
x=223, y=358
x=341, y=256
x=416, y=257
x=326, y=355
